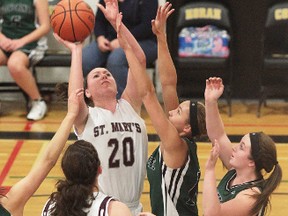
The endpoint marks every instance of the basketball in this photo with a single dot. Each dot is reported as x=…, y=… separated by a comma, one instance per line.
x=72, y=20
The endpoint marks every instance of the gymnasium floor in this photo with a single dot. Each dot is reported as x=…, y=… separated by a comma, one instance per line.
x=22, y=143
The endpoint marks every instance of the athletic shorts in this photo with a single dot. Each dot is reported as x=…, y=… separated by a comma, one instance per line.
x=34, y=55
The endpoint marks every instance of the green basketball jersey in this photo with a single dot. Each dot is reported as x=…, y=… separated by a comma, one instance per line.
x=18, y=19
x=174, y=191
x=227, y=192
x=4, y=212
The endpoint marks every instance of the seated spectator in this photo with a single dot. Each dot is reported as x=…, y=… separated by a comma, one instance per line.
x=21, y=47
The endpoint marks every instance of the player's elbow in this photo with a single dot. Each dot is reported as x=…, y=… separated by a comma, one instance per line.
x=50, y=163
x=50, y=159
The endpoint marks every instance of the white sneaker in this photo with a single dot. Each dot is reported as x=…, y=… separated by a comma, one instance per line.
x=38, y=110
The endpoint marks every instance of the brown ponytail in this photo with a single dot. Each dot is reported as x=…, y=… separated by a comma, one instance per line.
x=266, y=161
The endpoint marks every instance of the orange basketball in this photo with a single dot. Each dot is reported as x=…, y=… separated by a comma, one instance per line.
x=72, y=20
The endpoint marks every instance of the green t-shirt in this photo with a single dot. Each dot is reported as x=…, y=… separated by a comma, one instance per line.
x=18, y=19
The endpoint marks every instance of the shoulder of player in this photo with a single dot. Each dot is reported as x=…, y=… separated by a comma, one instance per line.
x=117, y=208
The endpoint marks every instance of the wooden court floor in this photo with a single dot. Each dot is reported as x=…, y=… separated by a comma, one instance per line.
x=22, y=143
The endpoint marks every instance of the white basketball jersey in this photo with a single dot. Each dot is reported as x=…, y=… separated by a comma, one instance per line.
x=99, y=206
x=121, y=141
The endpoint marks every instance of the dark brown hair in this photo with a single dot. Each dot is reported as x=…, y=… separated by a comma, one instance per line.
x=61, y=90
x=201, y=121
x=88, y=101
x=265, y=157
x=80, y=165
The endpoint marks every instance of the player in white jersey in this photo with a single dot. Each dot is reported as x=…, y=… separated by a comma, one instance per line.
x=121, y=141
x=113, y=126
x=78, y=192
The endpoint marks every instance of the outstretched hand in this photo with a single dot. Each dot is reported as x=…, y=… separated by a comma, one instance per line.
x=159, y=23
x=214, y=89
x=68, y=44
x=110, y=10
x=214, y=154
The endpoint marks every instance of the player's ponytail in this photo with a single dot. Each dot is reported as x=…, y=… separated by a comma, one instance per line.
x=263, y=151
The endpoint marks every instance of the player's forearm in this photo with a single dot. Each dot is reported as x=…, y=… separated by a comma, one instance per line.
x=167, y=70
x=211, y=204
x=133, y=43
x=214, y=124
x=76, y=74
x=59, y=140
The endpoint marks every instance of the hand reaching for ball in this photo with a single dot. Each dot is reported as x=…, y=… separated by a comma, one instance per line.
x=70, y=45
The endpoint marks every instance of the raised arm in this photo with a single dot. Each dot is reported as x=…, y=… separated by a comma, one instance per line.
x=174, y=147
x=137, y=59
x=19, y=194
x=214, y=124
x=166, y=68
x=137, y=62
x=211, y=203
x=76, y=79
